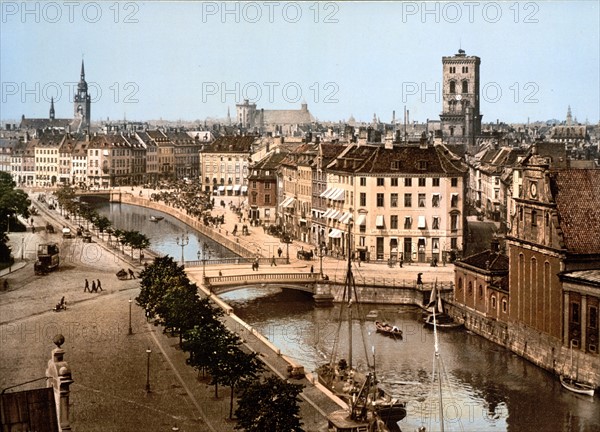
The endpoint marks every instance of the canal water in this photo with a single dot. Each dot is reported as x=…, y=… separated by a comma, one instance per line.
x=484, y=387
x=164, y=233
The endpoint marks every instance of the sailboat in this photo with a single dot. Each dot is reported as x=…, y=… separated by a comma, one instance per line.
x=427, y=414
x=436, y=308
x=572, y=383
x=370, y=408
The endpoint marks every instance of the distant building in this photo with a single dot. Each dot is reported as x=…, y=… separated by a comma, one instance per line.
x=276, y=122
x=460, y=118
x=262, y=187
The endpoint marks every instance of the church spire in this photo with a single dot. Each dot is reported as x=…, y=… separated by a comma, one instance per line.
x=82, y=71
x=569, y=116
x=51, y=108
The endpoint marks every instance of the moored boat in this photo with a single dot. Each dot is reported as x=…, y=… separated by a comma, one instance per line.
x=388, y=330
x=576, y=386
x=156, y=218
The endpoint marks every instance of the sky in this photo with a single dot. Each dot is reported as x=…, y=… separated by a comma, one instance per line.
x=194, y=60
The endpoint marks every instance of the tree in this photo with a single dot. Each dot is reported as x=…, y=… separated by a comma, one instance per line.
x=269, y=405
x=178, y=306
x=136, y=240
x=13, y=202
x=155, y=280
x=238, y=367
x=102, y=223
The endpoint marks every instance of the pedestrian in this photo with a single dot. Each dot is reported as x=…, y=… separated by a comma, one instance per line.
x=419, y=280
x=312, y=269
x=99, y=286
x=273, y=263
x=94, y=289
x=87, y=286
x=220, y=273
x=279, y=252
x=131, y=274
x=359, y=260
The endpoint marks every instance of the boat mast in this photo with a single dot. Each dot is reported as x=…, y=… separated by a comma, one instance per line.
x=349, y=285
x=438, y=366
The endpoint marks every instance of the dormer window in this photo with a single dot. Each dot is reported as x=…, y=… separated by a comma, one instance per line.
x=395, y=165
x=423, y=165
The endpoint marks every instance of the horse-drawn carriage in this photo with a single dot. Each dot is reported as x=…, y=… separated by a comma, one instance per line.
x=49, y=228
x=122, y=274
x=305, y=255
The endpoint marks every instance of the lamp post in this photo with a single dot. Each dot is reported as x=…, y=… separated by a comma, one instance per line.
x=205, y=250
x=183, y=243
x=130, y=330
x=148, y=351
x=321, y=261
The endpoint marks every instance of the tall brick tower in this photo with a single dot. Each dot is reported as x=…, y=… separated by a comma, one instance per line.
x=461, y=118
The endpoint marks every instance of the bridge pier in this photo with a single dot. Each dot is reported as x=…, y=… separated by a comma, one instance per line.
x=323, y=296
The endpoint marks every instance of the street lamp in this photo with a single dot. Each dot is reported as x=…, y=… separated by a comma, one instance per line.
x=205, y=249
x=184, y=242
x=148, y=351
x=130, y=330
x=321, y=260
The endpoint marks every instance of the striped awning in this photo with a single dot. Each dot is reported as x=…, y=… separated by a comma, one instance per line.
x=288, y=202
x=362, y=219
x=335, y=233
x=346, y=218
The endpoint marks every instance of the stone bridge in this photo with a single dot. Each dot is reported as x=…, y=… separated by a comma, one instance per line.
x=325, y=291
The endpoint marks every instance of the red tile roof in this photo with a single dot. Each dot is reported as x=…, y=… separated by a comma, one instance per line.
x=577, y=194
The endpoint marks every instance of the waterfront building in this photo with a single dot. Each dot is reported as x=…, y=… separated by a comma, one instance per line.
x=224, y=164
x=553, y=244
x=481, y=282
x=262, y=187
x=405, y=202
x=46, y=153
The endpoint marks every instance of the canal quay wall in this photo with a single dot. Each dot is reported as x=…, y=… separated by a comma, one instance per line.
x=534, y=346
x=216, y=234
x=538, y=348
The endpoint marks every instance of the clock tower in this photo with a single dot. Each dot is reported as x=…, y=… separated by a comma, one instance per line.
x=82, y=101
x=461, y=120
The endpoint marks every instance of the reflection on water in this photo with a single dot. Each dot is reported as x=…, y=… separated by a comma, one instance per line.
x=485, y=387
x=163, y=234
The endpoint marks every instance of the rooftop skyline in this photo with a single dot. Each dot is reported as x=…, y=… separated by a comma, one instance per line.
x=188, y=61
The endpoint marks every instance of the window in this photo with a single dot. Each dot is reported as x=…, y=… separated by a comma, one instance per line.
x=454, y=182
x=454, y=200
x=407, y=222
x=435, y=182
x=363, y=181
x=363, y=199
x=452, y=69
x=593, y=317
x=380, y=181
x=575, y=313
x=460, y=284
x=254, y=198
x=254, y=184
x=470, y=289
x=421, y=200
x=407, y=182
x=422, y=182
x=453, y=243
x=267, y=185
x=380, y=201
x=394, y=181
x=435, y=200
x=436, y=223
x=465, y=86
x=533, y=218
x=423, y=165
x=493, y=302
x=504, y=305
x=407, y=200
x=454, y=222
x=267, y=199
x=394, y=200
x=480, y=290
x=394, y=222
x=465, y=69
x=452, y=86
x=395, y=165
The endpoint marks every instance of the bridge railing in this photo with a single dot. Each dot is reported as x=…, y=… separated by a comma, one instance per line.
x=262, y=278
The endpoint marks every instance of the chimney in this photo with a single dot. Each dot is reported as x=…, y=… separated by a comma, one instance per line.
x=495, y=245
